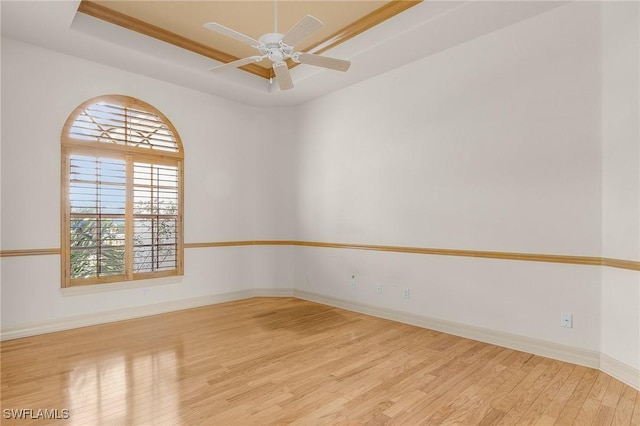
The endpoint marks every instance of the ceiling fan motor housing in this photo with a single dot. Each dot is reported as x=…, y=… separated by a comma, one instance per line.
x=270, y=45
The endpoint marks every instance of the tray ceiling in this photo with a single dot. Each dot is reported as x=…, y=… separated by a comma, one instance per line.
x=180, y=22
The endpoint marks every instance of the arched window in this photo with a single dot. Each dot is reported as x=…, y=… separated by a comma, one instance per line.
x=122, y=185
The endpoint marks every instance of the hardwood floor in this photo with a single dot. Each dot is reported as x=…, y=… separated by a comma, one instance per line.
x=284, y=360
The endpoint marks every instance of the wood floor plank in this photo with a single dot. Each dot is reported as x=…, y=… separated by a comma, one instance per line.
x=481, y=403
x=624, y=410
x=448, y=384
x=447, y=409
x=589, y=410
x=635, y=419
x=546, y=396
x=265, y=361
x=531, y=370
x=520, y=408
x=580, y=394
x=559, y=401
x=607, y=409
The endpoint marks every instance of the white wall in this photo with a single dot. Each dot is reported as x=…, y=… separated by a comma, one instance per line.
x=234, y=175
x=492, y=145
x=620, y=91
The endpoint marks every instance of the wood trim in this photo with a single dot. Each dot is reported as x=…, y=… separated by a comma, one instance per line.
x=95, y=280
x=101, y=12
x=621, y=264
x=120, y=151
x=528, y=257
x=121, y=278
x=374, y=18
x=580, y=260
x=158, y=274
x=29, y=252
x=241, y=243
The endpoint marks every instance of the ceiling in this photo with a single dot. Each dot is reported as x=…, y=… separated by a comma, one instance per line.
x=253, y=18
x=423, y=29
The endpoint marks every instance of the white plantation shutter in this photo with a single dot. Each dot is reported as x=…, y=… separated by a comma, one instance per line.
x=123, y=125
x=122, y=193
x=155, y=219
x=97, y=210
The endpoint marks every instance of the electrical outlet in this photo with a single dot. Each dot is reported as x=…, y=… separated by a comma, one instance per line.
x=353, y=282
x=566, y=320
x=379, y=289
x=406, y=293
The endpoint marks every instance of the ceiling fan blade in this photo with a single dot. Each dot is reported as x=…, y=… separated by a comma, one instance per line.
x=322, y=61
x=301, y=30
x=221, y=29
x=283, y=75
x=238, y=63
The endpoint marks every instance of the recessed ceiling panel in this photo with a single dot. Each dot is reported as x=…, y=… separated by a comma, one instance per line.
x=253, y=18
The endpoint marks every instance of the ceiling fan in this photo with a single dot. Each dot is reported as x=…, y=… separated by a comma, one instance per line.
x=280, y=47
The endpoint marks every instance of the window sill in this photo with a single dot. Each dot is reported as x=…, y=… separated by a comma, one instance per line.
x=125, y=285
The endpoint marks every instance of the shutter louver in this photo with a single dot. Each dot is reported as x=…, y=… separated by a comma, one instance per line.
x=97, y=203
x=120, y=125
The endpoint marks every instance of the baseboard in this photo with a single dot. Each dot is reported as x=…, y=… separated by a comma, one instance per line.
x=44, y=327
x=621, y=371
x=272, y=292
x=521, y=343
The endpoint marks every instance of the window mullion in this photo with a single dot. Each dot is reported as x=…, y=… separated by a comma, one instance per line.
x=128, y=221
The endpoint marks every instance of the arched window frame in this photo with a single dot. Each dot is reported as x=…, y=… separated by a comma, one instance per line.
x=138, y=153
